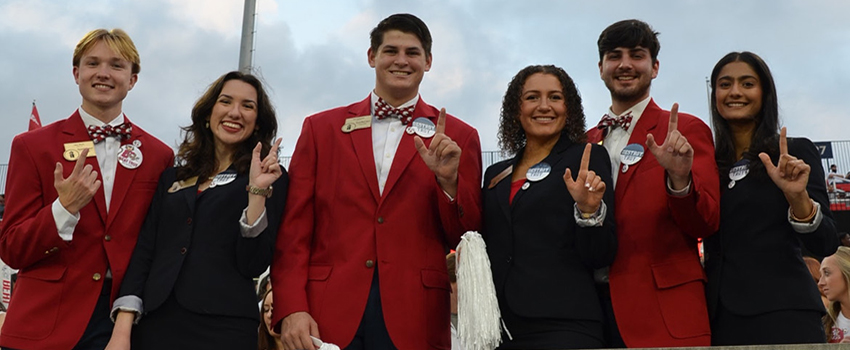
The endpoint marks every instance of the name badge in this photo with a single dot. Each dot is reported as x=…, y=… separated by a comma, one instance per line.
x=357, y=123
x=630, y=155
x=179, y=185
x=74, y=149
x=739, y=171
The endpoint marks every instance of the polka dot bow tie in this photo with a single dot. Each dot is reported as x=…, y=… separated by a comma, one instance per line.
x=99, y=134
x=624, y=121
x=384, y=110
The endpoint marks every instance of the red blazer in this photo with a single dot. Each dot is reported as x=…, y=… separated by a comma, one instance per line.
x=59, y=282
x=337, y=228
x=657, y=282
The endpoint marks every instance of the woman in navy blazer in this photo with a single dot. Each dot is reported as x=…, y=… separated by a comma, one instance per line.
x=773, y=203
x=210, y=229
x=548, y=216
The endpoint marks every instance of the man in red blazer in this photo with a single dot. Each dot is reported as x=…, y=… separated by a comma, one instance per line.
x=78, y=191
x=666, y=195
x=373, y=205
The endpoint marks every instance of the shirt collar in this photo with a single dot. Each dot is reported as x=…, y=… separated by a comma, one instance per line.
x=90, y=120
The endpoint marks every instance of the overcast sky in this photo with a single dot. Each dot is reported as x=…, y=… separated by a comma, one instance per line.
x=312, y=55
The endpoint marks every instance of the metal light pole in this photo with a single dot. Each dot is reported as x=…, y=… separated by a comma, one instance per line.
x=247, y=47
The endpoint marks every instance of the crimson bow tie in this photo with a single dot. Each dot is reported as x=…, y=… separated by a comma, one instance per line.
x=121, y=131
x=624, y=121
x=384, y=110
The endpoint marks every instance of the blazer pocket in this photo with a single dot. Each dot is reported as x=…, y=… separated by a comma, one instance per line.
x=681, y=297
x=317, y=283
x=42, y=293
x=435, y=307
x=45, y=273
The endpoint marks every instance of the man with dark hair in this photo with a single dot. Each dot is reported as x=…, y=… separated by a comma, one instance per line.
x=78, y=191
x=667, y=196
x=360, y=257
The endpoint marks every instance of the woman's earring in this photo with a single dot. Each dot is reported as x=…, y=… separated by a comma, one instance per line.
x=207, y=125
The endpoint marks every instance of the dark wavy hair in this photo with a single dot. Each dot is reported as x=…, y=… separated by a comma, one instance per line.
x=629, y=33
x=196, y=155
x=512, y=136
x=405, y=23
x=766, y=135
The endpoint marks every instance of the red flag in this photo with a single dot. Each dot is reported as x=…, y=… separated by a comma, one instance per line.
x=35, y=121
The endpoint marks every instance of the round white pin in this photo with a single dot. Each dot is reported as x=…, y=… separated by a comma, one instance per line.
x=129, y=156
x=630, y=155
x=739, y=171
x=223, y=178
x=538, y=172
x=423, y=127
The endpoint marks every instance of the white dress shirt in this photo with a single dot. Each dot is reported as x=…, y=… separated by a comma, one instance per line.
x=386, y=136
x=107, y=159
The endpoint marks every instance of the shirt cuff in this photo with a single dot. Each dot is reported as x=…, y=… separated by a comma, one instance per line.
x=678, y=193
x=251, y=231
x=806, y=227
x=65, y=222
x=129, y=303
x=595, y=220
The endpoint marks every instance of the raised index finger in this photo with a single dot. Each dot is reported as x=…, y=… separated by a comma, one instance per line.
x=585, y=158
x=674, y=119
x=441, y=122
x=783, y=142
x=81, y=161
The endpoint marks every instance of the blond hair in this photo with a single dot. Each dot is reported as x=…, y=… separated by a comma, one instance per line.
x=842, y=258
x=116, y=39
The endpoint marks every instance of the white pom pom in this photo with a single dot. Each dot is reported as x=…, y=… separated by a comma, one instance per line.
x=478, y=308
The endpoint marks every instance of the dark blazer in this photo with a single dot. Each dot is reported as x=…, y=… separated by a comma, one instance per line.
x=754, y=263
x=542, y=261
x=59, y=282
x=191, y=244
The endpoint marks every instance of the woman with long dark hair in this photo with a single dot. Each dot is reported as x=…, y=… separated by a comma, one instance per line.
x=210, y=229
x=773, y=204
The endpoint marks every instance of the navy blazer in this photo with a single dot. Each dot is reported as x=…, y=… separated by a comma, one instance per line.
x=542, y=261
x=191, y=244
x=754, y=262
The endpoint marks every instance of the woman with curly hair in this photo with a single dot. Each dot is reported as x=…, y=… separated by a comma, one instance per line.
x=548, y=216
x=773, y=203
x=210, y=229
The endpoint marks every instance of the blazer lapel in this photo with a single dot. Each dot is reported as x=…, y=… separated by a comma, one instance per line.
x=553, y=158
x=361, y=139
x=503, y=192
x=123, y=176
x=75, y=131
x=645, y=125
x=406, y=148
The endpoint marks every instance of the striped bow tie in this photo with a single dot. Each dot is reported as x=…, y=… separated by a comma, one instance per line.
x=624, y=121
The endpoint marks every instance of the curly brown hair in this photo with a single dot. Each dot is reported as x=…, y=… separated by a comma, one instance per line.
x=511, y=135
x=196, y=155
